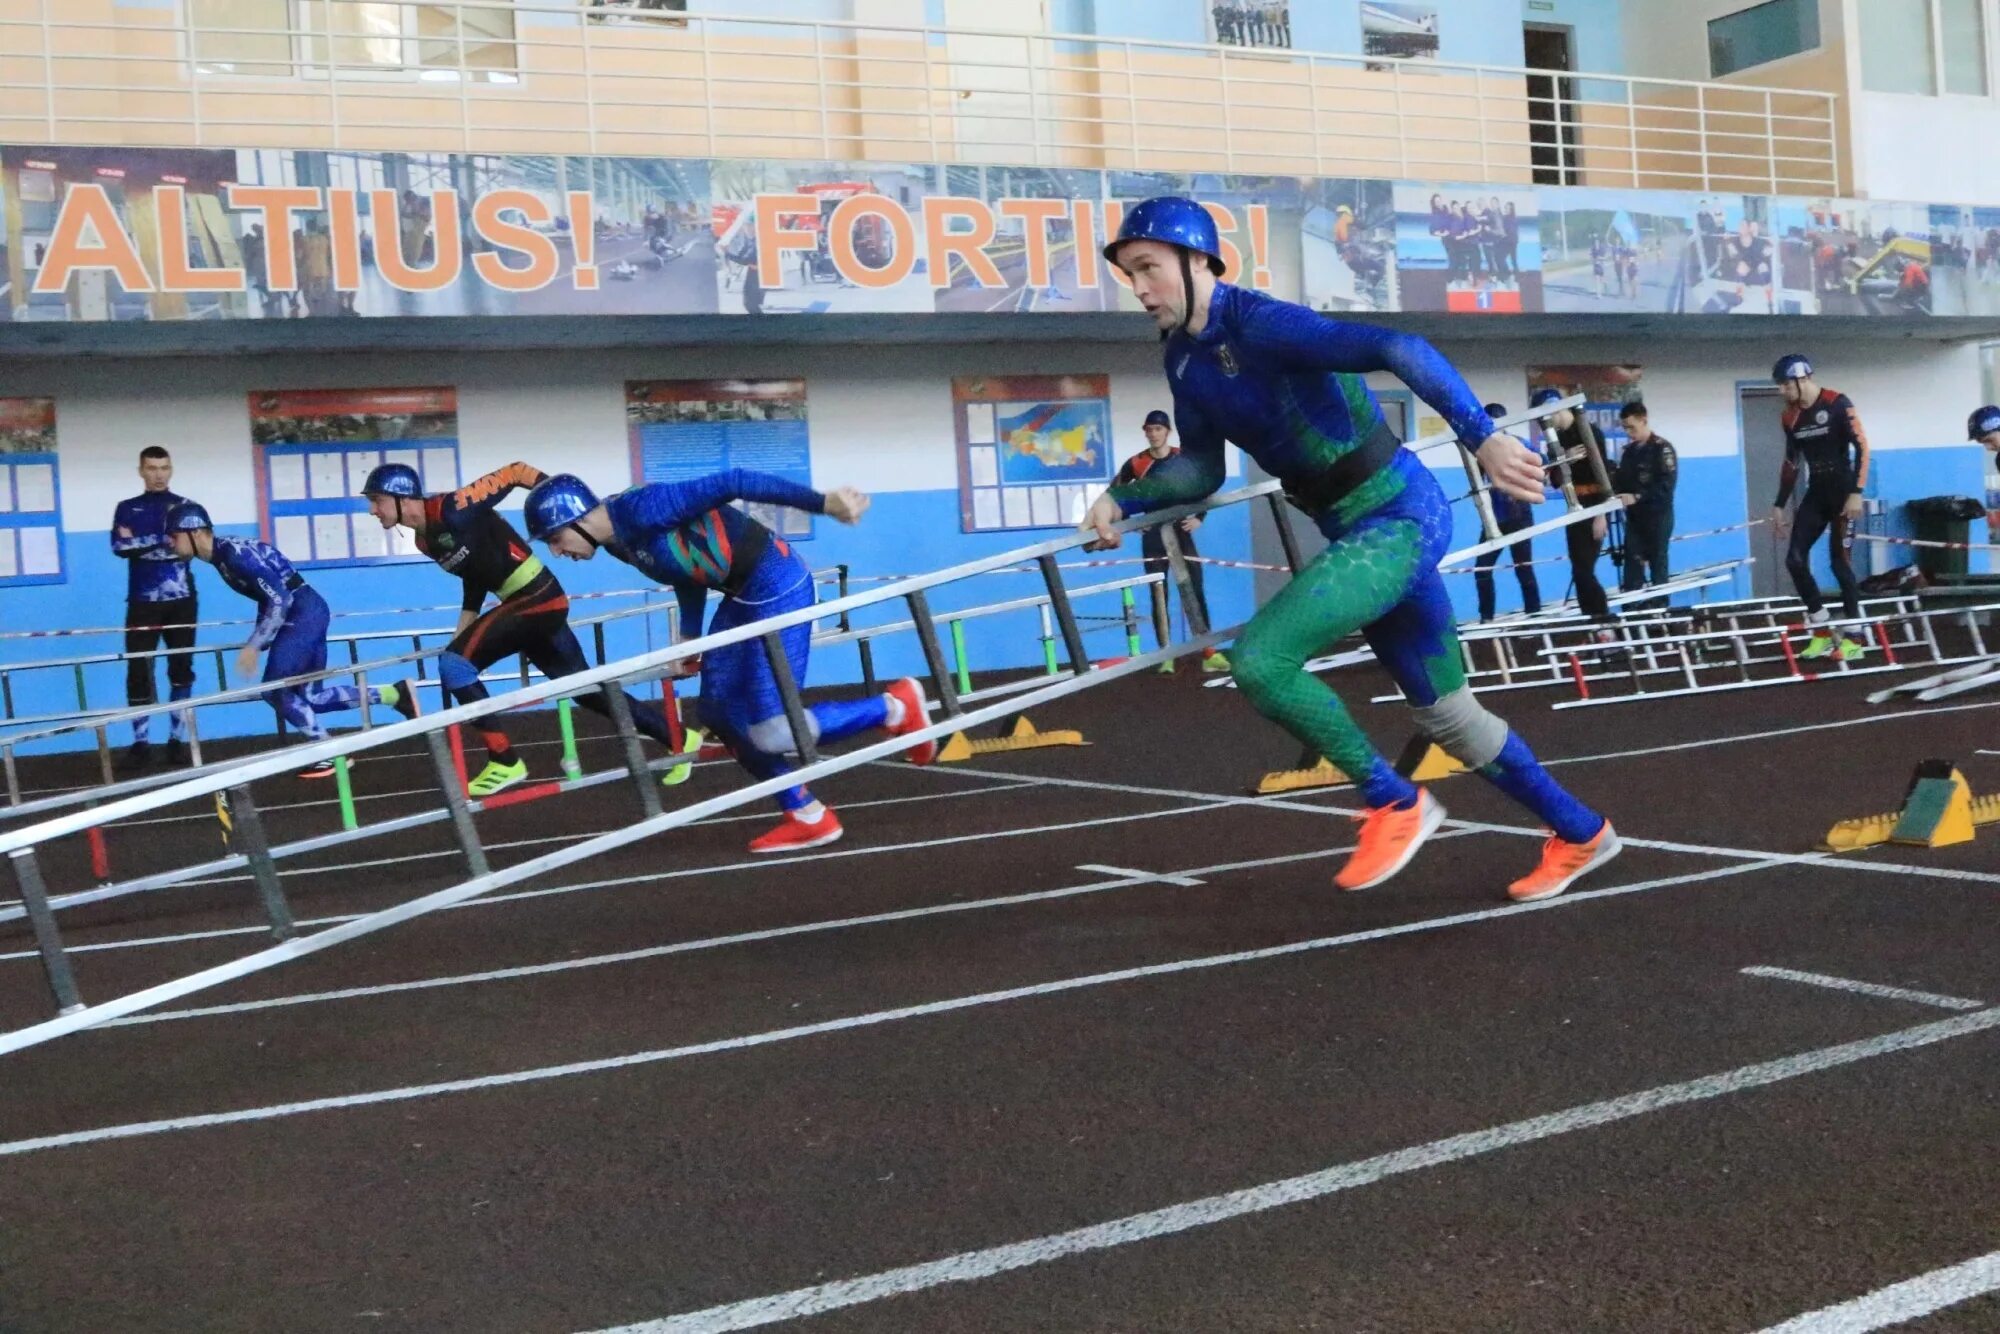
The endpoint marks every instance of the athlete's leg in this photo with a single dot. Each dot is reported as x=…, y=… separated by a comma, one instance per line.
x=1482, y=581
x=1807, y=526
x=549, y=644
x=1524, y=570
x=1417, y=642
x=1843, y=568
x=1361, y=575
x=298, y=650
x=486, y=641
x=180, y=665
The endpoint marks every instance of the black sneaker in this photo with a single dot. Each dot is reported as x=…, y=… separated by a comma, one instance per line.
x=324, y=769
x=406, y=698
x=138, y=756
x=177, y=753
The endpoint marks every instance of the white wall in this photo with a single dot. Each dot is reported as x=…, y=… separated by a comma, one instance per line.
x=1930, y=149
x=1670, y=41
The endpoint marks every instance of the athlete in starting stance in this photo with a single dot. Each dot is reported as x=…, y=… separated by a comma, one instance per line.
x=690, y=537
x=464, y=534
x=1284, y=383
x=290, y=630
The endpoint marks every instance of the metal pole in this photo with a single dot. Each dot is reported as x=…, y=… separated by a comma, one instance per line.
x=635, y=759
x=1049, y=642
x=13, y=775
x=193, y=737
x=104, y=754
x=927, y=636
x=1131, y=614
x=1281, y=516
x=597, y=633
x=1072, y=637
x=788, y=691
x=865, y=646
x=454, y=801
x=82, y=705
x=958, y=656
x=1482, y=503
x=256, y=849
x=1191, y=608
x=1552, y=447
x=48, y=941
x=571, y=766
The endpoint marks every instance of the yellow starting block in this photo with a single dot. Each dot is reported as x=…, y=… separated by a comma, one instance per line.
x=1422, y=761
x=1022, y=736
x=1939, y=810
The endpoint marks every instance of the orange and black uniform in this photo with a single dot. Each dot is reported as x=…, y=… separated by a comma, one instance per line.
x=466, y=536
x=1826, y=436
x=1154, y=548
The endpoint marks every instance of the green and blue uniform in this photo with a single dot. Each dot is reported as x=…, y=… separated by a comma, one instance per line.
x=1285, y=384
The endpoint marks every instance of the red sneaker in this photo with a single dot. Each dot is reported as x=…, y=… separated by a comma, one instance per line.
x=796, y=835
x=916, y=717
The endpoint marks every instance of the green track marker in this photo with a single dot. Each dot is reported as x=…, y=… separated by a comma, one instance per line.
x=958, y=653
x=345, y=787
x=571, y=766
x=1131, y=623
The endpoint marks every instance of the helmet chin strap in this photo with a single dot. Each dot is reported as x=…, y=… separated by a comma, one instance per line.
x=576, y=526
x=1187, y=290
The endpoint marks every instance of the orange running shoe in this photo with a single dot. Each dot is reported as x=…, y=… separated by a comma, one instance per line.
x=1389, y=838
x=796, y=835
x=916, y=717
x=1563, y=863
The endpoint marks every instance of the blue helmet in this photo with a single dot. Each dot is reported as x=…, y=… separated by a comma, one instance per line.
x=393, y=479
x=556, y=503
x=1546, y=396
x=1792, y=366
x=1174, y=220
x=1982, y=423
x=187, y=517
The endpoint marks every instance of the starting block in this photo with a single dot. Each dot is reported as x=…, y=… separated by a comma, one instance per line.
x=1422, y=761
x=1022, y=736
x=1938, y=811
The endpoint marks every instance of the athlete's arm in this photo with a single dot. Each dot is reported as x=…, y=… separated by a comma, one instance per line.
x=1181, y=479
x=1861, y=455
x=136, y=546
x=488, y=491
x=1305, y=340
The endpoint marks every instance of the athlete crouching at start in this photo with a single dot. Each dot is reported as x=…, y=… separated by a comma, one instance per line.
x=291, y=627
x=688, y=536
x=1285, y=384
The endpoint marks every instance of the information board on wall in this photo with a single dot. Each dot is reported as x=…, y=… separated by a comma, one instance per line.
x=1032, y=450
x=313, y=448
x=31, y=539
x=682, y=429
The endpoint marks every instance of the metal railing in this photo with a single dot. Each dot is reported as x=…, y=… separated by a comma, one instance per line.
x=23, y=848
x=556, y=76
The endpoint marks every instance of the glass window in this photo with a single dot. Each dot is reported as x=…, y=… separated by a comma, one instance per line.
x=241, y=37
x=1962, y=27
x=1762, y=33
x=281, y=38
x=1896, y=47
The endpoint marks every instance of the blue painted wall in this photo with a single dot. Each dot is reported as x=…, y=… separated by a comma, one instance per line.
x=904, y=533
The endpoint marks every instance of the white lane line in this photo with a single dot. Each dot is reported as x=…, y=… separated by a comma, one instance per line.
x=1864, y=988
x=1126, y=880
x=1901, y=1302
x=1827, y=859
x=1184, y=1217
x=760, y=816
x=1863, y=721
x=617, y=882
x=871, y=1019
x=1170, y=877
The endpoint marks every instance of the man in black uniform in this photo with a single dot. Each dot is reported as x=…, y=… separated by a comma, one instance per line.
x=1823, y=431
x=463, y=532
x=1159, y=430
x=159, y=604
x=1647, y=473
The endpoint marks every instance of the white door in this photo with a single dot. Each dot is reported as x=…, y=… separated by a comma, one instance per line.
x=990, y=77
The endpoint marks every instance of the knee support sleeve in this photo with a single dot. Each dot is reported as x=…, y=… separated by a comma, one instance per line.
x=773, y=735
x=1464, y=728
x=455, y=672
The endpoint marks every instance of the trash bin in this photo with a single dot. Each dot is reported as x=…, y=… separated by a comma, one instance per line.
x=1944, y=519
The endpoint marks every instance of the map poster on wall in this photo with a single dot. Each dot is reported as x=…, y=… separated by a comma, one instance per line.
x=680, y=429
x=1032, y=449
x=1605, y=389
x=313, y=448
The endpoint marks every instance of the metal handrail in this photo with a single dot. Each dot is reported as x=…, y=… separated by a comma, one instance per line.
x=748, y=63
x=257, y=690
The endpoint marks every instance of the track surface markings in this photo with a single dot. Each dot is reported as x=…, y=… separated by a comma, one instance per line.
x=1900, y=1302
x=969, y=1265
x=1864, y=988
x=1169, y=877
x=871, y=1019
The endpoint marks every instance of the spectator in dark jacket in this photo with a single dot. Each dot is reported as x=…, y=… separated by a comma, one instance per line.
x=1647, y=472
